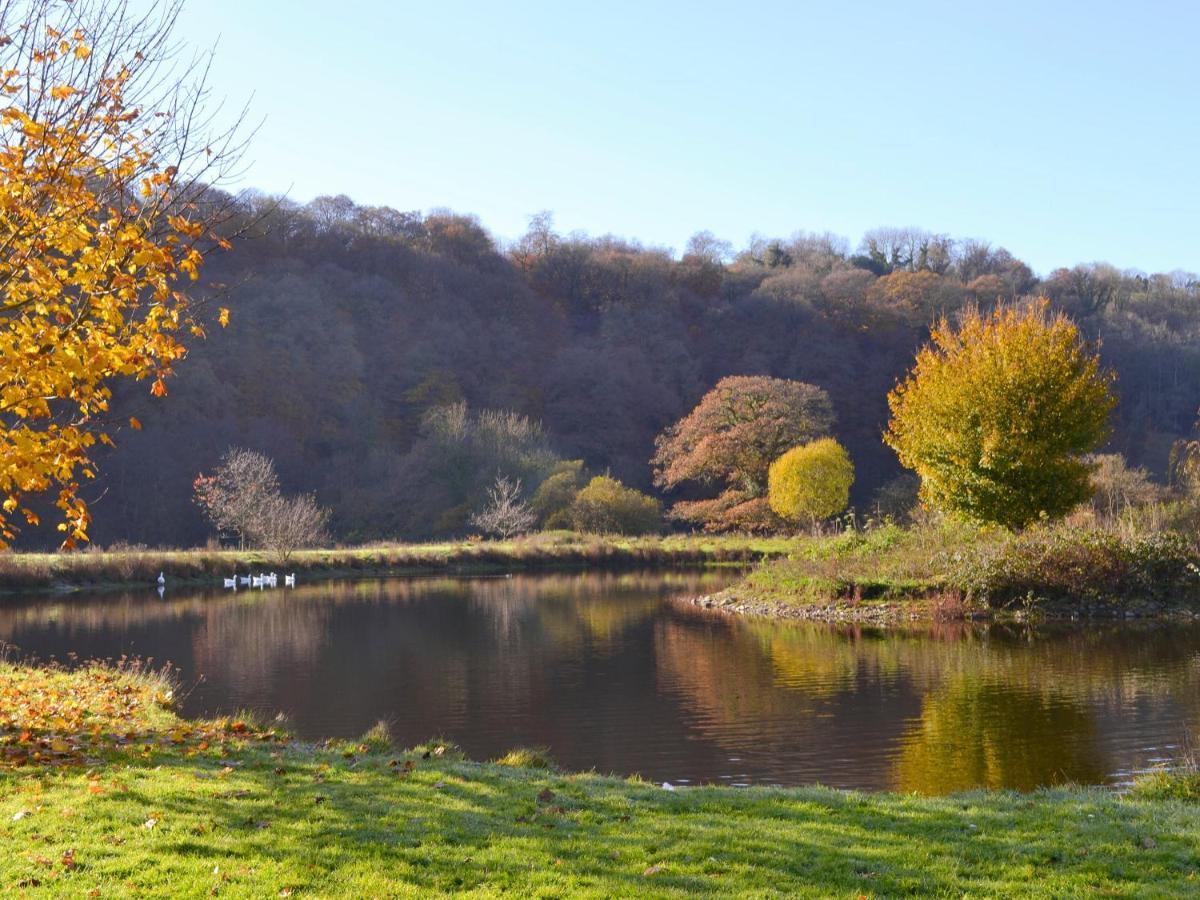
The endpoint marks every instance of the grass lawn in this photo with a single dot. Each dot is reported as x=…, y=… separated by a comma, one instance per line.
x=104, y=792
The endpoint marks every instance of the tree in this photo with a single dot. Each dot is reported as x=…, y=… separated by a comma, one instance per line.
x=505, y=514
x=284, y=525
x=997, y=415
x=731, y=438
x=106, y=211
x=605, y=506
x=234, y=496
x=810, y=482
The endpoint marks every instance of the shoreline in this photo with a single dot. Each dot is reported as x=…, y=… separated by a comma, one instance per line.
x=935, y=609
x=63, y=573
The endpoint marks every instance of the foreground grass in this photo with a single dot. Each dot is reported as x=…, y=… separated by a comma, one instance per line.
x=114, y=796
x=555, y=550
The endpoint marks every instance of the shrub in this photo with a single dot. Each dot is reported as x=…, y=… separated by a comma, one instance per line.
x=1116, y=487
x=606, y=506
x=997, y=415
x=552, y=500
x=810, y=482
x=1079, y=565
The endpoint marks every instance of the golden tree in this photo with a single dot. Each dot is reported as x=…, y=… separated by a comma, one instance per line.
x=810, y=482
x=108, y=163
x=998, y=414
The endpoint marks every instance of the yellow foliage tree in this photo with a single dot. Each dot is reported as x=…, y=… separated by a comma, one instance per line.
x=810, y=482
x=106, y=211
x=998, y=414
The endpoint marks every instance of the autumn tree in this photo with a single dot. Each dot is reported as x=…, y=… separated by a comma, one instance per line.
x=730, y=440
x=810, y=482
x=283, y=525
x=234, y=495
x=107, y=162
x=998, y=413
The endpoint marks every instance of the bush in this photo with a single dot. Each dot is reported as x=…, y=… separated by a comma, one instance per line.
x=606, y=506
x=1079, y=565
x=552, y=500
x=810, y=482
x=1116, y=487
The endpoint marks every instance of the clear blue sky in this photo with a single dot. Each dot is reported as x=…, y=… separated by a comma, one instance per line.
x=1065, y=131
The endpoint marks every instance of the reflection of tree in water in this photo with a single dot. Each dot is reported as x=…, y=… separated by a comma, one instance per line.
x=973, y=734
x=994, y=706
x=249, y=644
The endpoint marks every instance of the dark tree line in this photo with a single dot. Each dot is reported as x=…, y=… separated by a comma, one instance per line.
x=367, y=346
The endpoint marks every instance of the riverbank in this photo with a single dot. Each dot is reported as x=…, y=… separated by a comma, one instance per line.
x=105, y=792
x=949, y=572
x=98, y=569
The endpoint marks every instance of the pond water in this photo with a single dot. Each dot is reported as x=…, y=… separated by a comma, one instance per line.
x=612, y=673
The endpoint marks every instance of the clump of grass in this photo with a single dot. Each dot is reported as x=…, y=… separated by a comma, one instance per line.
x=1168, y=784
x=378, y=738
x=438, y=748
x=527, y=758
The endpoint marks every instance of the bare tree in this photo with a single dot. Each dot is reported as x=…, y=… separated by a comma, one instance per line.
x=234, y=496
x=284, y=525
x=506, y=514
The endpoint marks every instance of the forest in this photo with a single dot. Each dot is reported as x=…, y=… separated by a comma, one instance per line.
x=394, y=363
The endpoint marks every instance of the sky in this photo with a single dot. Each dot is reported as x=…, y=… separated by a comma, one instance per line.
x=1065, y=131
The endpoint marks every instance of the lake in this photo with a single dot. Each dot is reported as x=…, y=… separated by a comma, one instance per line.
x=612, y=673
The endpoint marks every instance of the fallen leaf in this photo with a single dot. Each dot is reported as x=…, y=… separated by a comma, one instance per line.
x=654, y=870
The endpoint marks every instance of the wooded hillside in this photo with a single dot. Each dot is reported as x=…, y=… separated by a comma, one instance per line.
x=351, y=324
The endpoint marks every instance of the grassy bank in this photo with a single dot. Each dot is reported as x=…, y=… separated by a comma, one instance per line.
x=949, y=571
x=94, y=568
x=104, y=792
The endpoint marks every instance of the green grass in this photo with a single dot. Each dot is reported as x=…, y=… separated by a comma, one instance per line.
x=95, y=568
x=949, y=570
x=189, y=809
x=886, y=564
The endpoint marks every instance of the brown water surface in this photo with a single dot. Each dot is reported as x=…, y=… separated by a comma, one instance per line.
x=612, y=674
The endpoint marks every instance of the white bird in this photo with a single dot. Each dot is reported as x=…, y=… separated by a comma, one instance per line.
x=257, y=580
x=289, y=580
x=161, y=579
x=231, y=582
x=271, y=579
x=244, y=580
x=667, y=786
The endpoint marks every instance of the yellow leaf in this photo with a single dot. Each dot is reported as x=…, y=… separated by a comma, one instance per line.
x=223, y=317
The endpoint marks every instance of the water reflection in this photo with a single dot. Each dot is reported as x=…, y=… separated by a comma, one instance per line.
x=611, y=674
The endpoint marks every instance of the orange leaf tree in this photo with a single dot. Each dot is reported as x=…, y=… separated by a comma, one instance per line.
x=998, y=414
x=107, y=207
x=729, y=442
